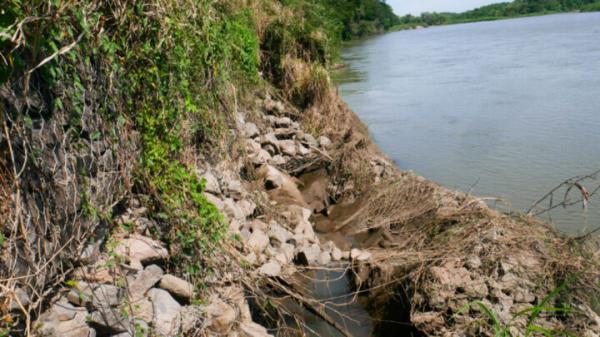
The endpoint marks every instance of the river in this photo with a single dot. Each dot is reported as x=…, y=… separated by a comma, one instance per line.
x=505, y=109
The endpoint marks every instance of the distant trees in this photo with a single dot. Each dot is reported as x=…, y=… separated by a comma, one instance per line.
x=501, y=10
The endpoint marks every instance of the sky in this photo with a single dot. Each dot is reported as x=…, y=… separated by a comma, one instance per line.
x=416, y=7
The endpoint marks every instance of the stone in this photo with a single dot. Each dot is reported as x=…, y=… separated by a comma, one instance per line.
x=250, y=130
x=143, y=310
x=212, y=183
x=232, y=210
x=278, y=160
x=217, y=202
x=271, y=269
x=303, y=150
x=20, y=299
x=283, y=122
x=167, y=317
x=247, y=207
x=474, y=262
x=308, y=255
x=138, y=249
x=270, y=139
x=274, y=107
x=288, y=251
x=310, y=140
x=476, y=289
x=143, y=281
x=521, y=295
x=359, y=255
x=278, y=233
x=288, y=147
x=273, y=178
x=234, y=189
x=81, y=294
x=53, y=323
x=251, y=329
x=252, y=146
x=324, y=142
x=106, y=295
x=109, y=319
x=258, y=241
x=261, y=157
x=336, y=254
x=324, y=258
x=191, y=318
x=177, y=286
x=221, y=316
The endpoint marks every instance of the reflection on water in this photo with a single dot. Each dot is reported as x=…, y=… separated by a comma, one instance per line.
x=332, y=288
x=507, y=109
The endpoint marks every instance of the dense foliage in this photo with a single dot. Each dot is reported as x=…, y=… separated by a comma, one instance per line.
x=499, y=11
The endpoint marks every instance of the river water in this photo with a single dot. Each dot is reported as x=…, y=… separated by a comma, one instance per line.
x=505, y=109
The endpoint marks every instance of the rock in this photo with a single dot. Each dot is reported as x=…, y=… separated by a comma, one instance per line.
x=144, y=280
x=252, y=146
x=274, y=107
x=106, y=295
x=324, y=258
x=177, y=286
x=278, y=160
x=167, y=317
x=81, y=295
x=20, y=299
x=250, y=130
x=261, y=157
x=64, y=320
x=324, y=142
x=191, y=318
x=427, y=319
x=219, y=204
x=288, y=147
x=273, y=178
x=258, y=241
x=283, y=122
x=221, y=316
x=474, y=262
x=310, y=140
x=247, y=207
x=284, y=134
x=359, y=255
x=143, y=310
x=234, y=189
x=109, y=319
x=138, y=249
x=455, y=277
x=212, y=184
x=278, y=233
x=521, y=295
x=308, y=255
x=91, y=252
x=270, y=139
x=288, y=251
x=303, y=150
x=336, y=254
x=271, y=269
x=476, y=289
x=251, y=329
x=232, y=210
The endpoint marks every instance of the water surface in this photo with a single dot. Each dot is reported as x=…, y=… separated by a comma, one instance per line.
x=506, y=109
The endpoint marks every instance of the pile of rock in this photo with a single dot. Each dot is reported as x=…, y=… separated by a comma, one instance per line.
x=124, y=291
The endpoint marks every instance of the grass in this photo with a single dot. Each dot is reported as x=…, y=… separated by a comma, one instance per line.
x=509, y=329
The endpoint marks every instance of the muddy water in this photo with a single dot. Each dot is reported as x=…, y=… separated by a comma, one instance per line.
x=505, y=109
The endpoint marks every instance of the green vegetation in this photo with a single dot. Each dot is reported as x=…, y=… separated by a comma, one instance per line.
x=497, y=11
x=529, y=316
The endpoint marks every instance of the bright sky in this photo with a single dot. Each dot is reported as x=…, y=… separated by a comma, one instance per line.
x=416, y=7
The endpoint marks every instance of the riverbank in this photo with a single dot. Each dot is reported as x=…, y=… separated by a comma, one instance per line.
x=157, y=186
